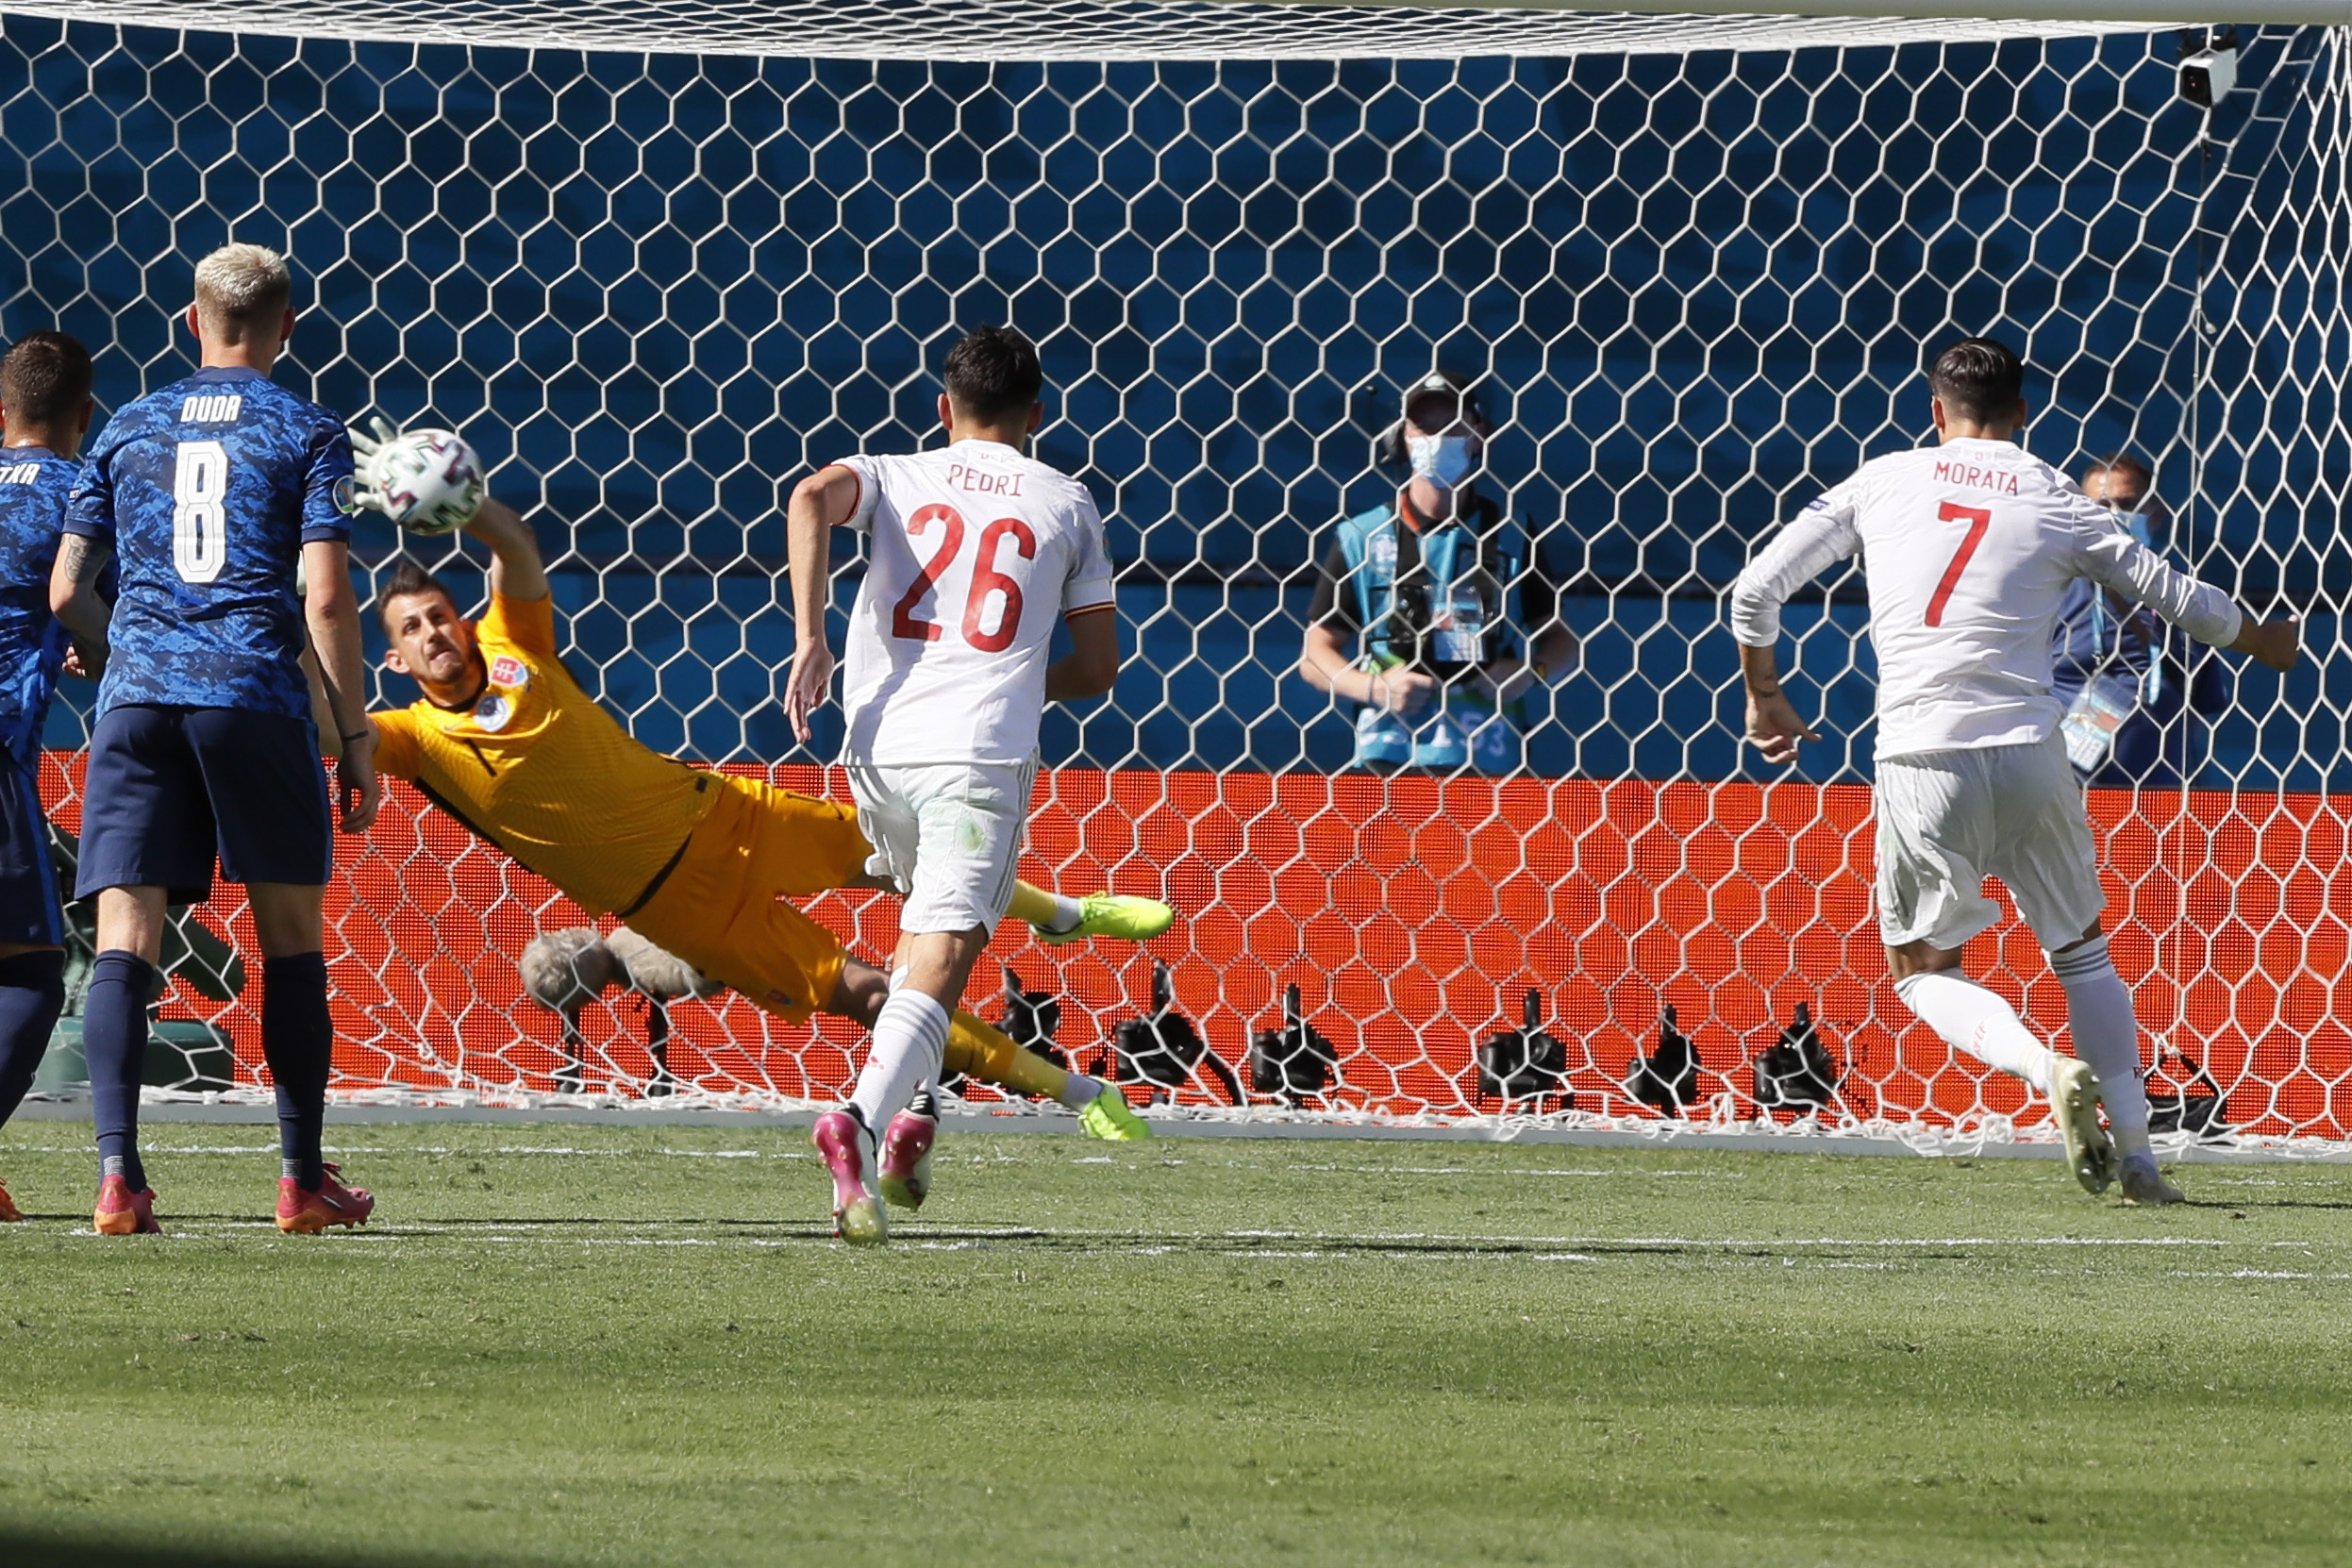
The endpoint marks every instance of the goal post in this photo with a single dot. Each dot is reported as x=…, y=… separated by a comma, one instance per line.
x=1696, y=265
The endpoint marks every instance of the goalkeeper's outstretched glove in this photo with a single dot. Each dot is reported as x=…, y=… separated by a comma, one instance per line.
x=367, y=476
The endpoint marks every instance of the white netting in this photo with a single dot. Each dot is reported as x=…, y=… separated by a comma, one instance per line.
x=654, y=287
x=1038, y=29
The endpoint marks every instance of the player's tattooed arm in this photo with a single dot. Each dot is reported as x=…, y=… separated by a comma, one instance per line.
x=75, y=600
x=1773, y=725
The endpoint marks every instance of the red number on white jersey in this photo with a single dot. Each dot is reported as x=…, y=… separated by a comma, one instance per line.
x=986, y=580
x=1978, y=519
x=902, y=621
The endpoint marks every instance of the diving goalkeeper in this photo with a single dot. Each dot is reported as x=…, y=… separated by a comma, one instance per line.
x=699, y=862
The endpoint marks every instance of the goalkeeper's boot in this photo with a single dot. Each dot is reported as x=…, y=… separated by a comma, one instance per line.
x=333, y=1204
x=906, y=1154
x=9, y=1213
x=848, y=1144
x=1109, y=1117
x=123, y=1212
x=2145, y=1185
x=2075, y=1097
x=1112, y=914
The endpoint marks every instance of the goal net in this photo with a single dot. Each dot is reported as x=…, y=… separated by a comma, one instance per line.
x=657, y=260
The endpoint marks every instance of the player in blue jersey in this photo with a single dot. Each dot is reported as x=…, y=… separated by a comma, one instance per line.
x=210, y=492
x=45, y=412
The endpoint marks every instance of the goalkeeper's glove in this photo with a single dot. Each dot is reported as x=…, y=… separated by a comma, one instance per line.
x=367, y=479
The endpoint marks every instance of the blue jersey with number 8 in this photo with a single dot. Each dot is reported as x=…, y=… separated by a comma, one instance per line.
x=207, y=490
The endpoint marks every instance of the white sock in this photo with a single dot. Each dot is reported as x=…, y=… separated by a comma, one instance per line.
x=897, y=980
x=2099, y=1010
x=1067, y=913
x=909, y=1040
x=1973, y=1019
x=1079, y=1091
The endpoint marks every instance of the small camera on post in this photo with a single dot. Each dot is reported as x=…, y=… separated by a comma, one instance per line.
x=1526, y=1063
x=2208, y=65
x=1293, y=1060
x=1667, y=1082
x=1164, y=1049
x=1796, y=1073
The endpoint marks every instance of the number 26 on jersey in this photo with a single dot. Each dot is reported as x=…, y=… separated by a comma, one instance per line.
x=995, y=580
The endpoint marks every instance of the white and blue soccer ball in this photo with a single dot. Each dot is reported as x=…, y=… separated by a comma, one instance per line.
x=426, y=481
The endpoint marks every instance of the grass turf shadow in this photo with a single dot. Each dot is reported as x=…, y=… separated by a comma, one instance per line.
x=29, y=1548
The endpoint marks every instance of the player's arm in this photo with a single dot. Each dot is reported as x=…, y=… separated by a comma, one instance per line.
x=1090, y=608
x=331, y=608
x=823, y=501
x=396, y=752
x=1092, y=667
x=78, y=583
x=517, y=569
x=77, y=600
x=1820, y=536
x=2110, y=556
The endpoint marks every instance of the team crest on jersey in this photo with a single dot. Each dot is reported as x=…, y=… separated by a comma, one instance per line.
x=506, y=670
x=492, y=712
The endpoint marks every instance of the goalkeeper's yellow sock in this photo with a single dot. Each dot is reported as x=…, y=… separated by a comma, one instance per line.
x=980, y=1050
x=1052, y=911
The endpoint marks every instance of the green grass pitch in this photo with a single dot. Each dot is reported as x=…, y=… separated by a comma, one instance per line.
x=573, y=1344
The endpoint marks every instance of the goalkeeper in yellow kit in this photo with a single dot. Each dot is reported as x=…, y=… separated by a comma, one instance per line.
x=699, y=862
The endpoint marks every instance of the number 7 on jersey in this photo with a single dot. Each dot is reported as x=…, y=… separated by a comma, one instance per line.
x=1978, y=519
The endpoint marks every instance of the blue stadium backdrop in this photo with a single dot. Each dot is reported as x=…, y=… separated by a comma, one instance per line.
x=656, y=289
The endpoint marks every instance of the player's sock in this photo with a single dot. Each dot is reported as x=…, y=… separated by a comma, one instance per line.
x=114, y=1045
x=1973, y=1019
x=978, y=1049
x=32, y=993
x=2099, y=1010
x=1050, y=911
x=298, y=1040
x=910, y=1039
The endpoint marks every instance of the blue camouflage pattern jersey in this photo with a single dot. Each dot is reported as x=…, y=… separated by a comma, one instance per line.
x=35, y=484
x=207, y=490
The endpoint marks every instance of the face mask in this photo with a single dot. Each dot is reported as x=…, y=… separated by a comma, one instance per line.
x=2135, y=524
x=1444, y=460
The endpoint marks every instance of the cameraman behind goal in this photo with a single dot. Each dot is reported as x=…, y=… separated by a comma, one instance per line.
x=1969, y=549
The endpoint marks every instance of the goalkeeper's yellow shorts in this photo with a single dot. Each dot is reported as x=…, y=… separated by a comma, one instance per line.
x=721, y=904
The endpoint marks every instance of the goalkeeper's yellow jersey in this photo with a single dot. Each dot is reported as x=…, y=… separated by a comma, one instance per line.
x=535, y=767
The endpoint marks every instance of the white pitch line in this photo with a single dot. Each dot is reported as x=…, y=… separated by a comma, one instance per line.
x=1300, y=1243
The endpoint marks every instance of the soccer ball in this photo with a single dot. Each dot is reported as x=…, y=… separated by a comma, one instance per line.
x=426, y=481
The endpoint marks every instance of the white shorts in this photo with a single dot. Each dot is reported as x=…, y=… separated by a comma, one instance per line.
x=1947, y=819
x=948, y=834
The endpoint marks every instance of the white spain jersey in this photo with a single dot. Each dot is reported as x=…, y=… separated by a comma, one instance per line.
x=1967, y=548
x=977, y=549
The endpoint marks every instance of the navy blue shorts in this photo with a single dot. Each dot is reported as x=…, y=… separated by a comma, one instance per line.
x=171, y=787
x=30, y=910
